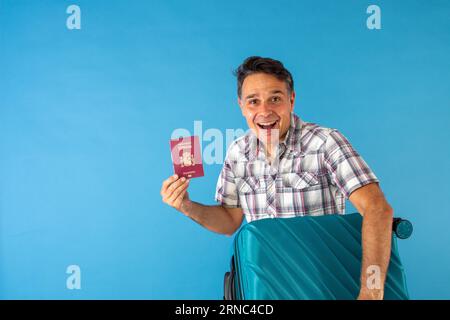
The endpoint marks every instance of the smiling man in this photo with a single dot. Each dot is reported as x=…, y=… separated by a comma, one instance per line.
x=286, y=167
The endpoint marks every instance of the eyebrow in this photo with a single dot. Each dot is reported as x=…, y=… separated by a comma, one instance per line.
x=271, y=92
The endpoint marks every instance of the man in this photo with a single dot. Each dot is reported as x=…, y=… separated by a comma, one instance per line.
x=286, y=167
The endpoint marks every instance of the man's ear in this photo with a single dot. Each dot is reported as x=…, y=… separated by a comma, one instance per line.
x=292, y=100
x=240, y=105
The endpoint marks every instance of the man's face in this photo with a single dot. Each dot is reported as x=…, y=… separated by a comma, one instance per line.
x=266, y=105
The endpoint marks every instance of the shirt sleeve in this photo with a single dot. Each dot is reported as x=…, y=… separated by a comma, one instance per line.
x=226, y=191
x=346, y=167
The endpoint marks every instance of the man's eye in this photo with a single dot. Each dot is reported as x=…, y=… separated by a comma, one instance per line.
x=276, y=99
x=253, y=101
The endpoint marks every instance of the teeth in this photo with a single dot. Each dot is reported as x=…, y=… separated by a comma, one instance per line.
x=267, y=123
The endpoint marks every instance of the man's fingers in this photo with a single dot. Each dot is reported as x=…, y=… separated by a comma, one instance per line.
x=167, y=183
x=168, y=196
x=171, y=189
x=178, y=191
x=177, y=202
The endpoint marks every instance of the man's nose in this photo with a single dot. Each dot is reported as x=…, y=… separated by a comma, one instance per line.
x=265, y=108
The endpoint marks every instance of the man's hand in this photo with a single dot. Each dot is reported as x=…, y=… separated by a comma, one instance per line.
x=376, y=236
x=367, y=294
x=174, y=193
x=215, y=218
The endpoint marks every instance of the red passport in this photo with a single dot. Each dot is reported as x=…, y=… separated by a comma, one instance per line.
x=186, y=157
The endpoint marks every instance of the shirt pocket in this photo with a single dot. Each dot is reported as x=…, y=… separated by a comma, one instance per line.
x=300, y=193
x=300, y=181
x=250, y=184
x=252, y=195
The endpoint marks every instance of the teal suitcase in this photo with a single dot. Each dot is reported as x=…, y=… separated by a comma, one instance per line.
x=307, y=258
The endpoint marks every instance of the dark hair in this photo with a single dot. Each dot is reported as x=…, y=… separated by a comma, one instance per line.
x=256, y=64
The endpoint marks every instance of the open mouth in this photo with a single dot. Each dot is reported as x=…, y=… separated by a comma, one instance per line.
x=268, y=125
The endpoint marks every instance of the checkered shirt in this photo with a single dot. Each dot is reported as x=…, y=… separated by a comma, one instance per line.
x=315, y=171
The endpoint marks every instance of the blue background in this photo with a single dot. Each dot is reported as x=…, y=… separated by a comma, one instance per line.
x=86, y=115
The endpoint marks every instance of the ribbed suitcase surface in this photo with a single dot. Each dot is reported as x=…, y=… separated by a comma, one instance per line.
x=306, y=258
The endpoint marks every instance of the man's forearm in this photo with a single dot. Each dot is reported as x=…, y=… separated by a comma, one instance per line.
x=376, y=243
x=215, y=218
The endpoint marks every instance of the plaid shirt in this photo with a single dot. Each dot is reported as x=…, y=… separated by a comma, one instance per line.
x=316, y=169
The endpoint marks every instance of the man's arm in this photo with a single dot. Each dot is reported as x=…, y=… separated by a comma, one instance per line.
x=215, y=218
x=376, y=238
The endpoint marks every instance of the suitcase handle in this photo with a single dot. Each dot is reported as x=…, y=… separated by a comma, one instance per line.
x=402, y=228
